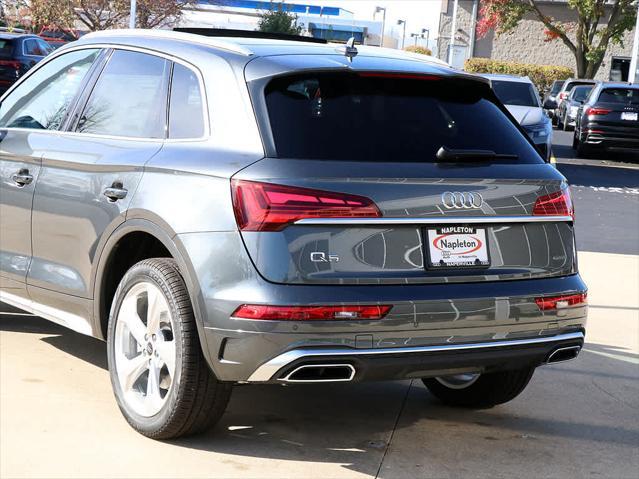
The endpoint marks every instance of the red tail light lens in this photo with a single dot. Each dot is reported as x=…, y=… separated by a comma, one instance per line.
x=310, y=313
x=558, y=302
x=558, y=203
x=269, y=207
x=597, y=111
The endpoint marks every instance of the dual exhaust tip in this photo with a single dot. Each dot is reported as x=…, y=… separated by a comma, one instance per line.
x=344, y=372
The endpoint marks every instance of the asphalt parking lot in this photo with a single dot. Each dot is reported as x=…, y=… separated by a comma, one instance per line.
x=58, y=417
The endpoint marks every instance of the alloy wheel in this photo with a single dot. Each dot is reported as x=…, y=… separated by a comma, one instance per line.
x=145, y=350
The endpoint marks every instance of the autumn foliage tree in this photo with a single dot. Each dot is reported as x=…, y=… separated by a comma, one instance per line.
x=595, y=25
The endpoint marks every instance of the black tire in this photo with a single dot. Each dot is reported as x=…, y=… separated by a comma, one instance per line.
x=196, y=399
x=583, y=150
x=559, y=125
x=487, y=391
x=554, y=119
x=575, y=140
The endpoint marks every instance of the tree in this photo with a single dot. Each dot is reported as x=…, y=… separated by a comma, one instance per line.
x=160, y=13
x=101, y=14
x=51, y=13
x=277, y=20
x=13, y=13
x=596, y=25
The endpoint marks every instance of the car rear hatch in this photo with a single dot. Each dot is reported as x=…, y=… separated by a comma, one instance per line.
x=615, y=116
x=394, y=178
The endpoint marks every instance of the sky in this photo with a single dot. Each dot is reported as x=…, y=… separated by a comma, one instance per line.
x=417, y=13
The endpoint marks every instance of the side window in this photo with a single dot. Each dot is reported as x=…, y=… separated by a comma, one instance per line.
x=185, y=107
x=129, y=99
x=32, y=47
x=43, y=99
x=44, y=47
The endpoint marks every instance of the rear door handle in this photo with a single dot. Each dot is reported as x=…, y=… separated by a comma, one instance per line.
x=22, y=177
x=115, y=192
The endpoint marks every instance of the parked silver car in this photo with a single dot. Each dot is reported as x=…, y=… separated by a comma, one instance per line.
x=240, y=210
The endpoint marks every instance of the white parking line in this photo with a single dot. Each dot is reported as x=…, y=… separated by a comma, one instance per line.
x=611, y=189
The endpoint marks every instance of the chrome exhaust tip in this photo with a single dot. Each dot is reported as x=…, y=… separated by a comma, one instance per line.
x=320, y=373
x=560, y=355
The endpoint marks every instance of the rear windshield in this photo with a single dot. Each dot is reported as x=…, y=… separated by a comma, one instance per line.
x=515, y=93
x=628, y=96
x=373, y=117
x=6, y=48
x=556, y=86
x=580, y=93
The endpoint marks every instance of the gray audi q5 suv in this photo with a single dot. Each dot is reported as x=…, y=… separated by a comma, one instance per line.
x=241, y=210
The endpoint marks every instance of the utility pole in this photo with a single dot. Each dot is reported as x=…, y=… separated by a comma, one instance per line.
x=427, y=31
x=633, y=75
x=133, y=13
x=453, y=31
x=402, y=22
x=377, y=10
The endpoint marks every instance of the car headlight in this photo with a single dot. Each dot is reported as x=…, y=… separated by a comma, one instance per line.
x=539, y=131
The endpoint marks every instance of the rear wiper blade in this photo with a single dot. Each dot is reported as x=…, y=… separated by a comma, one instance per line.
x=449, y=154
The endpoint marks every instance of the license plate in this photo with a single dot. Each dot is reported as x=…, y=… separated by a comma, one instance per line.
x=457, y=247
x=627, y=115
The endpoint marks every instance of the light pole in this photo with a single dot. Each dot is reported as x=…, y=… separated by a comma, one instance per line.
x=377, y=10
x=427, y=31
x=402, y=22
x=633, y=76
x=132, y=15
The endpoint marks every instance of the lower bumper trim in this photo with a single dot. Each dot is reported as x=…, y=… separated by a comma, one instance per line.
x=268, y=371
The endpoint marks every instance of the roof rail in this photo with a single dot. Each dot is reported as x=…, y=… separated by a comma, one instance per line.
x=232, y=33
x=171, y=35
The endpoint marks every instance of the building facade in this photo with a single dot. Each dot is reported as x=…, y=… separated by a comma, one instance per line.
x=526, y=44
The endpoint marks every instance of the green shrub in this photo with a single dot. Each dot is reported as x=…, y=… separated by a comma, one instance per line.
x=541, y=75
x=419, y=49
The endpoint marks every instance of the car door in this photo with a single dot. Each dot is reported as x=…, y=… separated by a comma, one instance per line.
x=29, y=116
x=89, y=175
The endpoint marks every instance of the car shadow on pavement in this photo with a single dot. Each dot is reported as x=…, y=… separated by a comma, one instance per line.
x=352, y=424
x=599, y=175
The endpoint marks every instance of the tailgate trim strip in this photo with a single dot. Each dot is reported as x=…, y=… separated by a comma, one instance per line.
x=267, y=371
x=439, y=220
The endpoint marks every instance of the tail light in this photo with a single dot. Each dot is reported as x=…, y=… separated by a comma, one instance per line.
x=269, y=207
x=11, y=64
x=309, y=313
x=558, y=203
x=591, y=110
x=563, y=95
x=559, y=302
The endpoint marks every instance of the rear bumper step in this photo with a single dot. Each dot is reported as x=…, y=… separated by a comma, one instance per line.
x=310, y=365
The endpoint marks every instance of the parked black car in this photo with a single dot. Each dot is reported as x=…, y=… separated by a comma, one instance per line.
x=18, y=53
x=566, y=88
x=609, y=119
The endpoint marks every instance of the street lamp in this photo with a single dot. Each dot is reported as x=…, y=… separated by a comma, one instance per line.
x=402, y=22
x=427, y=31
x=377, y=10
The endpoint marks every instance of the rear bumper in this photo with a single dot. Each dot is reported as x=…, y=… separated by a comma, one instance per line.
x=419, y=362
x=610, y=137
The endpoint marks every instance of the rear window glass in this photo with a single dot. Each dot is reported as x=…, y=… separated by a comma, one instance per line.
x=580, y=93
x=556, y=87
x=6, y=48
x=620, y=95
x=350, y=117
x=515, y=93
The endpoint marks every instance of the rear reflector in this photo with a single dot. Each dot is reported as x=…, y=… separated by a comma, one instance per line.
x=591, y=110
x=558, y=302
x=268, y=207
x=307, y=313
x=10, y=64
x=558, y=203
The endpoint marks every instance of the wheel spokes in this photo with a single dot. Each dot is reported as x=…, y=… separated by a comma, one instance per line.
x=166, y=353
x=131, y=370
x=129, y=315
x=156, y=306
x=153, y=386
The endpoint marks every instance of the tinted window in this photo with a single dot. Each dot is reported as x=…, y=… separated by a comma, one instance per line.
x=6, y=48
x=44, y=46
x=556, y=86
x=341, y=116
x=185, y=108
x=43, y=99
x=580, y=93
x=515, y=93
x=129, y=98
x=33, y=47
x=620, y=95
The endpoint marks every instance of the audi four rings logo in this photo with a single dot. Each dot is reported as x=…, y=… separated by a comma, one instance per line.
x=462, y=199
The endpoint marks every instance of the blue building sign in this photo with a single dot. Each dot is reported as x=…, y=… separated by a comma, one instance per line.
x=267, y=5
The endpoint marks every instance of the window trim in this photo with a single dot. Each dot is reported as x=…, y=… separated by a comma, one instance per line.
x=74, y=101
x=81, y=101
